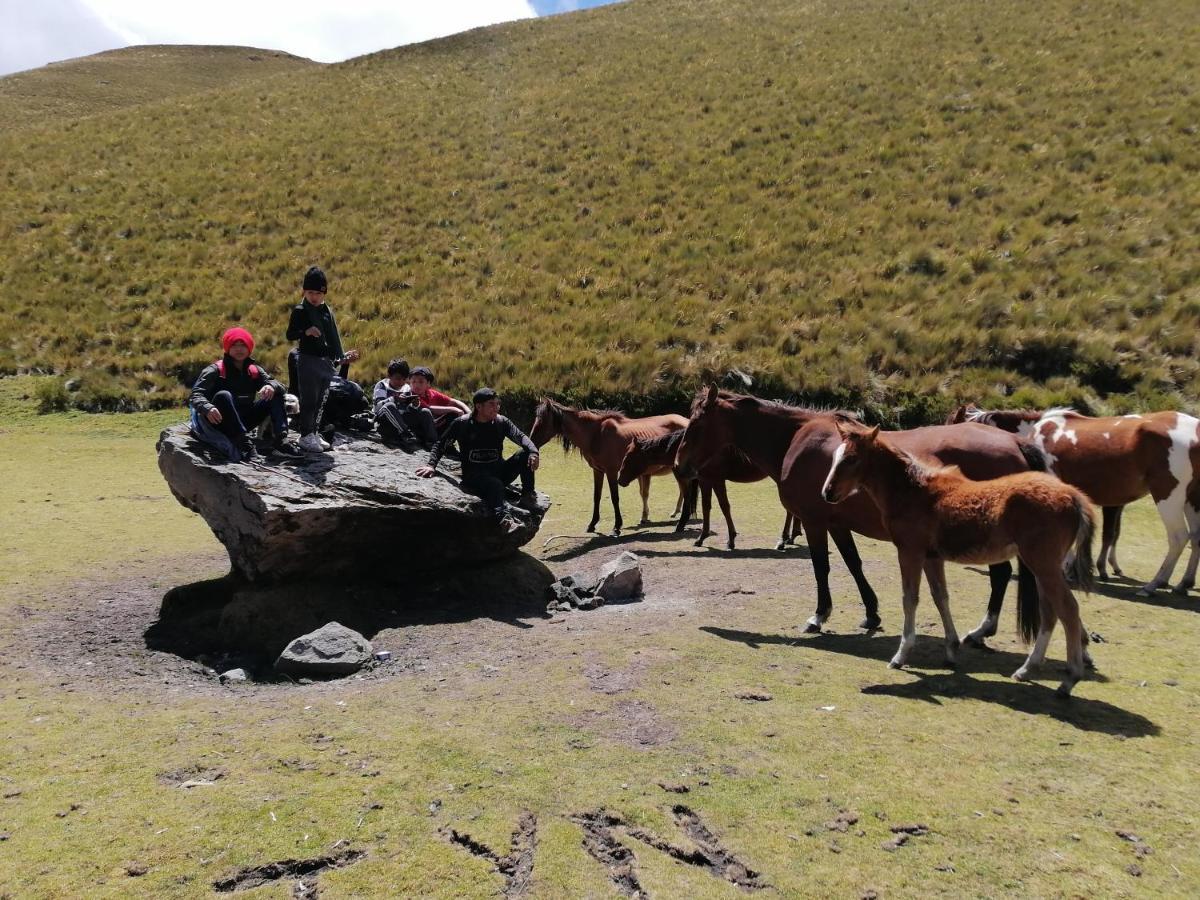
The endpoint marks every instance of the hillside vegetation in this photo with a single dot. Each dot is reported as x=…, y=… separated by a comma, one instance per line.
x=64, y=91
x=875, y=203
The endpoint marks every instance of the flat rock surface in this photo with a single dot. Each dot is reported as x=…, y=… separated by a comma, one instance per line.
x=360, y=508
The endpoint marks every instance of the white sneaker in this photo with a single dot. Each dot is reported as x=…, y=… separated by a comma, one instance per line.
x=312, y=443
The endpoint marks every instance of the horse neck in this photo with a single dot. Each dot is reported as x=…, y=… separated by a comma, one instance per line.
x=765, y=433
x=890, y=481
x=578, y=427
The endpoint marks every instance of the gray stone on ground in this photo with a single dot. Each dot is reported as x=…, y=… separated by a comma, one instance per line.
x=621, y=578
x=362, y=508
x=332, y=649
x=234, y=675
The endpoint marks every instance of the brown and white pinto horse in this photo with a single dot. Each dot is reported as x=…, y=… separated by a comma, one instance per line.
x=795, y=448
x=730, y=465
x=1116, y=460
x=935, y=513
x=603, y=436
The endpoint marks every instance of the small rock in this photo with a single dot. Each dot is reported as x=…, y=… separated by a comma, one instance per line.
x=589, y=601
x=234, y=676
x=1128, y=836
x=136, y=869
x=760, y=696
x=915, y=829
x=332, y=649
x=842, y=821
x=621, y=578
x=895, y=843
x=1134, y=869
x=434, y=807
x=674, y=788
x=1171, y=682
x=869, y=894
x=5, y=835
x=944, y=867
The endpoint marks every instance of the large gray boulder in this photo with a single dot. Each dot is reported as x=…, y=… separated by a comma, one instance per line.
x=331, y=650
x=621, y=578
x=358, y=511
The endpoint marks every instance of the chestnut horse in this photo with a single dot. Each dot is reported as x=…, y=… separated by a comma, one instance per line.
x=603, y=436
x=730, y=465
x=1116, y=460
x=795, y=447
x=935, y=513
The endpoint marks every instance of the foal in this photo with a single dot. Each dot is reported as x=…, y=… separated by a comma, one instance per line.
x=730, y=465
x=603, y=436
x=936, y=514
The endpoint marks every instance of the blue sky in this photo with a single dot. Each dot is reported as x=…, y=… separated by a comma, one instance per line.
x=36, y=32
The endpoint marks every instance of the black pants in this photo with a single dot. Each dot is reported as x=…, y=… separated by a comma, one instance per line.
x=315, y=373
x=416, y=419
x=235, y=423
x=488, y=481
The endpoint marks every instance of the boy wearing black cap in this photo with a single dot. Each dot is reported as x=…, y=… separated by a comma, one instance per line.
x=480, y=436
x=313, y=325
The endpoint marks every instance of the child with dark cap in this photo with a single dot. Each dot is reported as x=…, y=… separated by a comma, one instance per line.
x=445, y=409
x=313, y=325
x=234, y=395
x=399, y=415
x=486, y=473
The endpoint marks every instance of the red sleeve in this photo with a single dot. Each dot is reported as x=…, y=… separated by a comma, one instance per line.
x=437, y=398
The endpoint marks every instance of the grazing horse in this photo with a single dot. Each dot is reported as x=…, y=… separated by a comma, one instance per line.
x=795, y=447
x=729, y=465
x=1116, y=460
x=935, y=513
x=603, y=436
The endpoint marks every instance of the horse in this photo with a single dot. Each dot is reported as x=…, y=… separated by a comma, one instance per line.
x=795, y=447
x=1116, y=460
x=730, y=465
x=935, y=513
x=603, y=436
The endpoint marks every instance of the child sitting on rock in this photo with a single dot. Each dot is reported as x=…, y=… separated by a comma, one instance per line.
x=444, y=408
x=399, y=416
x=234, y=395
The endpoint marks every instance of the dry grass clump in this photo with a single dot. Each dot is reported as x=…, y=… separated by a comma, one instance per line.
x=886, y=205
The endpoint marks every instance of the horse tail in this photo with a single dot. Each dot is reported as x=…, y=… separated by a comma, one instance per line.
x=1029, y=610
x=1034, y=456
x=1082, y=566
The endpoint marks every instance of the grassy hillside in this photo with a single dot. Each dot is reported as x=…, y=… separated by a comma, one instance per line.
x=64, y=91
x=868, y=202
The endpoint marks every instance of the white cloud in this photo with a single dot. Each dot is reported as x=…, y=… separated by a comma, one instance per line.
x=324, y=31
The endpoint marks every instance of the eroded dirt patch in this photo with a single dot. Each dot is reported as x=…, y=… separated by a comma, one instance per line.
x=302, y=870
x=517, y=865
x=634, y=723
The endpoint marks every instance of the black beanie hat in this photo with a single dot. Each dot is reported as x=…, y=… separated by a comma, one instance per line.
x=483, y=395
x=315, y=280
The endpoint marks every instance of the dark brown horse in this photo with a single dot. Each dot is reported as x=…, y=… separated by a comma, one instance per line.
x=935, y=513
x=603, y=436
x=795, y=447
x=1116, y=460
x=729, y=465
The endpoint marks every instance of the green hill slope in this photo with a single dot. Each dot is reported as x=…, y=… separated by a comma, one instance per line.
x=130, y=77
x=893, y=204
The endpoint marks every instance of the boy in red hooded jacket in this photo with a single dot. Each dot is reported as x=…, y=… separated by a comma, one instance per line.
x=234, y=395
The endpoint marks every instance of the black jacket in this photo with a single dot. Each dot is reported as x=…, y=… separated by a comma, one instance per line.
x=240, y=383
x=304, y=316
x=480, y=443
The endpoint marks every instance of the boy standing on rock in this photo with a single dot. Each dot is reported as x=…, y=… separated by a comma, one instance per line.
x=234, y=395
x=313, y=325
x=480, y=436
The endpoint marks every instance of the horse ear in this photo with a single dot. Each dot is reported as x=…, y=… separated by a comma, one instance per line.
x=712, y=395
x=872, y=435
x=840, y=430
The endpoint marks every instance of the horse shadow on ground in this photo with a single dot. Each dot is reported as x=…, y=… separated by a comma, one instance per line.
x=685, y=540
x=1122, y=587
x=1081, y=712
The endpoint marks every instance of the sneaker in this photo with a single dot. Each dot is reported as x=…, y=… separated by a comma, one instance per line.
x=310, y=443
x=287, y=448
x=248, y=451
x=527, y=501
x=508, y=524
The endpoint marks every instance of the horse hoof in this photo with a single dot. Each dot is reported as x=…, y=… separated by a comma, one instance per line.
x=1022, y=674
x=1147, y=591
x=1089, y=663
x=1063, y=691
x=812, y=627
x=615, y=533
x=895, y=664
x=781, y=546
x=1118, y=572
x=1181, y=590
x=730, y=546
x=871, y=623
x=699, y=542
x=972, y=641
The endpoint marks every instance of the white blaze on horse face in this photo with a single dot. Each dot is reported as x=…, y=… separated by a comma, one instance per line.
x=837, y=461
x=1106, y=435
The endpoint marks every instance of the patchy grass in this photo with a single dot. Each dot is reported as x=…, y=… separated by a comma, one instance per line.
x=61, y=93
x=867, y=203
x=1023, y=796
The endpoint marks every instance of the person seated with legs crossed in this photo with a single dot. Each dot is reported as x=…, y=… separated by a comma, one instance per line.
x=234, y=395
x=399, y=415
x=445, y=409
x=486, y=473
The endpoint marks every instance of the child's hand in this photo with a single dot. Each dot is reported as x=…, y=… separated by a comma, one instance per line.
x=267, y=392
x=351, y=356
x=425, y=471
x=214, y=416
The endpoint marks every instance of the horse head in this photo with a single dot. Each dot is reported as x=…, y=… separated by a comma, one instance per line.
x=850, y=460
x=709, y=432
x=548, y=424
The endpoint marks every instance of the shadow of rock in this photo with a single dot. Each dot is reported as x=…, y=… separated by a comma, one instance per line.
x=233, y=616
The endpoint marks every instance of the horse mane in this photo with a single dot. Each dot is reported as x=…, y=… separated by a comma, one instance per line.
x=554, y=410
x=668, y=442
x=843, y=415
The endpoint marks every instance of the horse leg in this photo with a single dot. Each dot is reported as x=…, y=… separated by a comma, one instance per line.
x=597, y=488
x=689, y=505
x=1037, y=654
x=681, y=500
x=785, y=536
x=818, y=545
x=999, y=575
x=723, y=500
x=1068, y=611
x=705, y=513
x=846, y=546
x=644, y=490
x=1171, y=511
x=616, y=502
x=1192, y=517
x=910, y=578
x=1108, y=540
x=1116, y=536
x=935, y=574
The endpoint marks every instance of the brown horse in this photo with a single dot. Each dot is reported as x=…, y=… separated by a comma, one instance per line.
x=935, y=513
x=1116, y=460
x=603, y=436
x=730, y=465
x=795, y=447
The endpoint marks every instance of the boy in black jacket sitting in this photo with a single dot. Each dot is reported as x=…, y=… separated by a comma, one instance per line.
x=234, y=395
